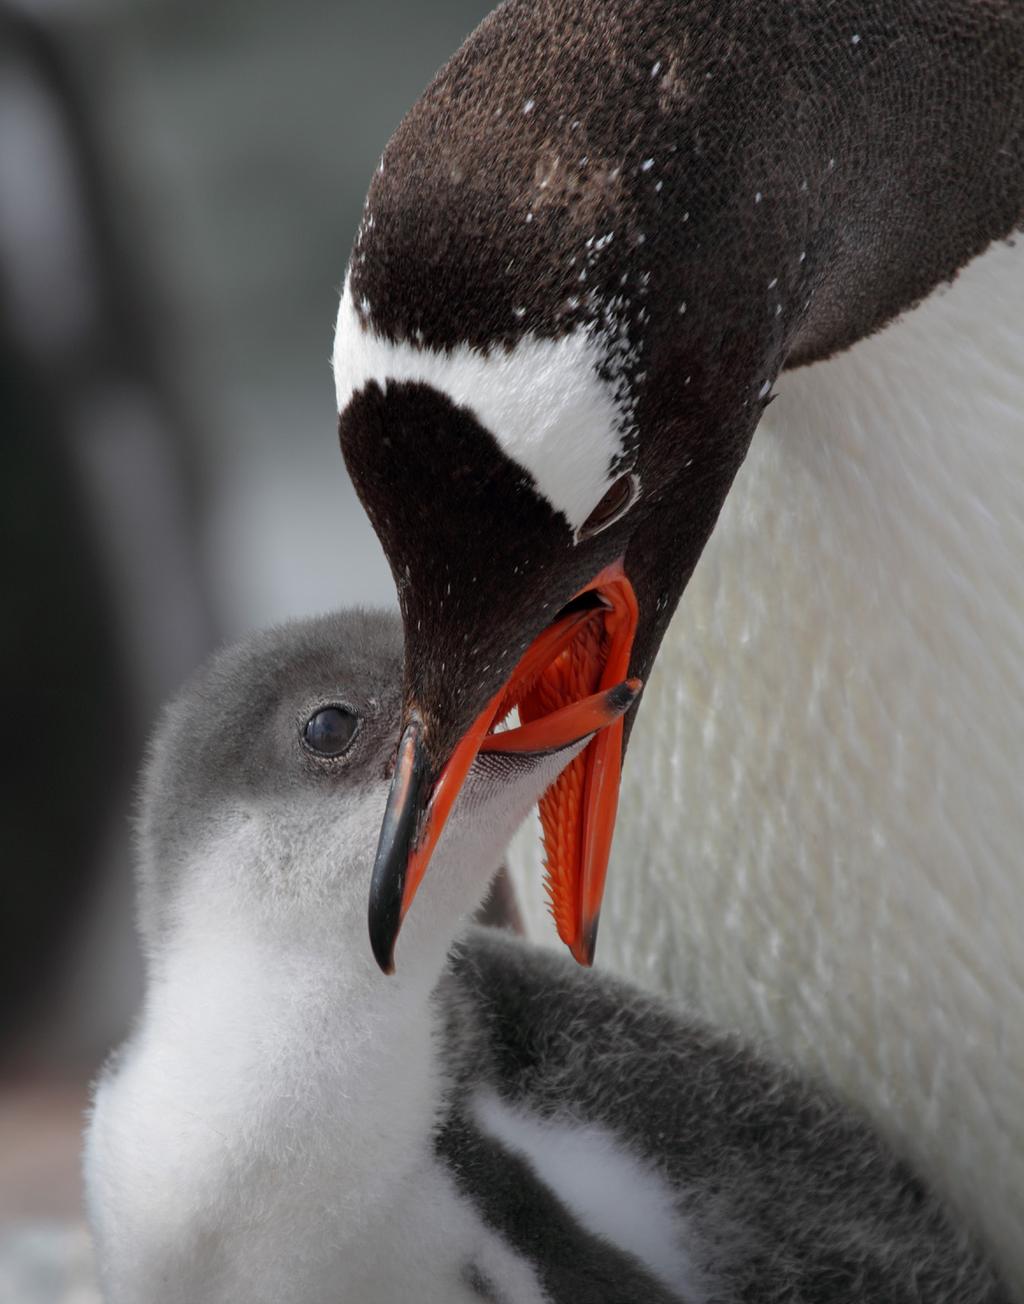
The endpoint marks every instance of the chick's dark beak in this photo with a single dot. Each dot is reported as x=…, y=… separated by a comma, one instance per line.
x=569, y=684
x=406, y=801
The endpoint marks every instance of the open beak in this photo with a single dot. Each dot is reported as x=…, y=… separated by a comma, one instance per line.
x=570, y=683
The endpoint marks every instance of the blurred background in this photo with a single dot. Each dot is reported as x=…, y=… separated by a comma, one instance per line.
x=180, y=182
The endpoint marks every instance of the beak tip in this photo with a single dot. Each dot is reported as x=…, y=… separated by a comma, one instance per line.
x=384, y=916
x=385, y=961
x=382, y=942
x=586, y=946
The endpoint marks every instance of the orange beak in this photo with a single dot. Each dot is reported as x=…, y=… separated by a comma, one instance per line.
x=570, y=683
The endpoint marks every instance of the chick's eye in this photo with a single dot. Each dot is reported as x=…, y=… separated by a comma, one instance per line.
x=330, y=731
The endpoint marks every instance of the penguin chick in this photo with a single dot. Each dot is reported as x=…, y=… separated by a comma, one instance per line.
x=489, y=1123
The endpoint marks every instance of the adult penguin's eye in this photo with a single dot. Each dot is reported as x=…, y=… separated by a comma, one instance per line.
x=330, y=731
x=616, y=502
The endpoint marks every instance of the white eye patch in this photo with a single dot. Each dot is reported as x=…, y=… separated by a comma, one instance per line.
x=544, y=401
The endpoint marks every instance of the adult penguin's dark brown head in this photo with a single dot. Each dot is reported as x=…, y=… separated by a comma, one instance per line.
x=587, y=253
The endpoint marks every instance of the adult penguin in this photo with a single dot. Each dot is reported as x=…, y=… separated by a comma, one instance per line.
x=588, y=253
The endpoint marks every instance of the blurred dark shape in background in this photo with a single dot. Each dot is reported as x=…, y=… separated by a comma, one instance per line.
x=105, y=602
x=180, y=181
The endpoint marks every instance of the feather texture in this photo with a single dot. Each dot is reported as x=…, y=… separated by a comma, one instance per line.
x=821, y=827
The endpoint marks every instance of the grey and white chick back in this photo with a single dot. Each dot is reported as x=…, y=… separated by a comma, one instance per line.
x=632, y=1153
x=288, y=1123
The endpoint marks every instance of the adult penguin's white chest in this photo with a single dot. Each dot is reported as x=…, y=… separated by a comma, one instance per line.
x=821, y=829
